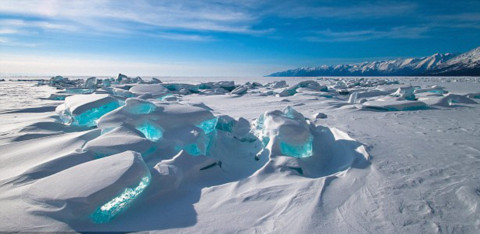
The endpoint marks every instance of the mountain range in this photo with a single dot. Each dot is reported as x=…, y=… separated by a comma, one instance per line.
x=466, y=64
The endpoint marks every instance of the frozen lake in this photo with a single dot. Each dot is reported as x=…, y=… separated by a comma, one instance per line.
x=321, y=155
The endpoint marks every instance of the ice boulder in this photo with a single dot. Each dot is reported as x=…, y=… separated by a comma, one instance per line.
x=119, y=140
x=122, y=93
x=173, y=125
x=290, y=91
x=311, y=84
x=391, y=104
x=106, y=83
x=240, y=90
x=91, y=83
x=320, y=115
x=353, y=98
x=406, y=93
x=181, y=88
x=285, y=133
x=227, y=85
x=85, y=110
x=307, y=84
x=452, y=99
x=156, y=90
x=277, y=84
x=434, y=90
x=99, y=190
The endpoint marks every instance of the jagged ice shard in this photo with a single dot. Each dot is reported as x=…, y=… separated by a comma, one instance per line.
x=285, y=133
x=150, y=131
x=109, y=210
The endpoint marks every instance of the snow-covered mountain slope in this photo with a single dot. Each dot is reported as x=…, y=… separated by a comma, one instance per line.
x=466, y=64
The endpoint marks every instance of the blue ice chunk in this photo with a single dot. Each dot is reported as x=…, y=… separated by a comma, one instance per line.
x=298, y=151
x=119, y=204
x=291, y=113
x=194, y=150
x=259, y=123
x=106, y=82
x=208, y=125
x=162, y=98
x=89, y=118
x=142, y=108
x=225, y=123
x=150, y=131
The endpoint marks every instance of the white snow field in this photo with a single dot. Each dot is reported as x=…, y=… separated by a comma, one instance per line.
x=265, y=155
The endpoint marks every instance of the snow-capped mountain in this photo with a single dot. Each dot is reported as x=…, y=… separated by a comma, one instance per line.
x=466, y=64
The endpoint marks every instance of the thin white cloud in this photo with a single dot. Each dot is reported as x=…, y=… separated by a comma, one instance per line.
x=370, y=34
x=118, y=16
x=8, y=31
x=9, y=43
x=348, y=11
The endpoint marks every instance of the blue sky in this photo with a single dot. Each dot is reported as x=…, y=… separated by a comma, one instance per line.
x=224, y=38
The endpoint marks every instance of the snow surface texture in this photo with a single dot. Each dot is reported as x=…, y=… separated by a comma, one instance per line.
x=196, y=156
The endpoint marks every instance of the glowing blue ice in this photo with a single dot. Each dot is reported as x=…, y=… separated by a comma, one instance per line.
x=225, y=124
x=208, y=125
x=89, y=118
x=143, y=108
x=150, y=131
x=119, y=204
x=298, y=151
x=162, y=98
x=194, y=150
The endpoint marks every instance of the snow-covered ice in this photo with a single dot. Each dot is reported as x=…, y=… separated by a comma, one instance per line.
x=290, y=155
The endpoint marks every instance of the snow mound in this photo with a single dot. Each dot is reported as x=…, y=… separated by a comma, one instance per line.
x=453, y=99
x=394, y=105
x=155, y=90
x=98, y=189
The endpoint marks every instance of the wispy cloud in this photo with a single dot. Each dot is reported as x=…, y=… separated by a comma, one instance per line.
x=126, y=16
x=11, y=43
x=358, y=10
x=459, y=20
x=370, y=34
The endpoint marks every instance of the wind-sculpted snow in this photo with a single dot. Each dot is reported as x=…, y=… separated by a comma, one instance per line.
x=167, y=136
x=145, y=155
x=99, y=189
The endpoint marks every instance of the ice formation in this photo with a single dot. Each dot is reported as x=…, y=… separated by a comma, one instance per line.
x=186, y=151
x=285, y=133
x=85, y=110
x=99, y=189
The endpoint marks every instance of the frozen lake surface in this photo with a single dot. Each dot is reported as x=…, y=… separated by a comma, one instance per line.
x=309, y=155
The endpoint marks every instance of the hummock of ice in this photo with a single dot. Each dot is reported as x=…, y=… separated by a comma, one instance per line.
x=99, y=189
x=85, y=110
x=405, y=92
x=285, y=133
x=153, y=89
